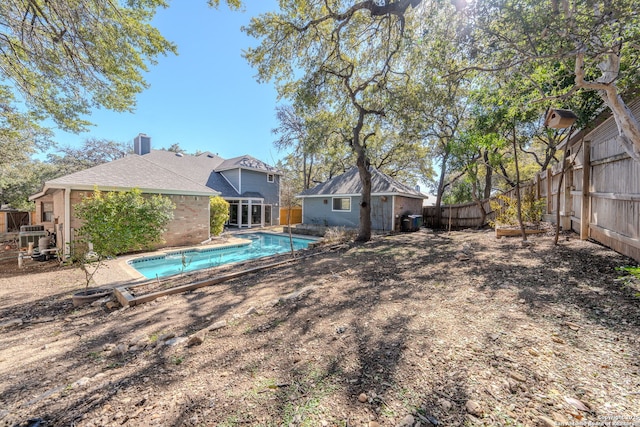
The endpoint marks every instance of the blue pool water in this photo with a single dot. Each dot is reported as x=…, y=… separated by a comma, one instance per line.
x=260, y=245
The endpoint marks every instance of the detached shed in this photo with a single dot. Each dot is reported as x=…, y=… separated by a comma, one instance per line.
x=336, y=202
x=12, y=219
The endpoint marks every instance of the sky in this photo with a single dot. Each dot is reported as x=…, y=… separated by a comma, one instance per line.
x=206, y=98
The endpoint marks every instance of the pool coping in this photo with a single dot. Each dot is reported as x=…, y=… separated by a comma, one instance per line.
x=236, y=242
x=118, y=273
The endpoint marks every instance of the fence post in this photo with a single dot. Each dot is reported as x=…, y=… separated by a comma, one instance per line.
x=585, y=205
x=567, y=196
x=549, y=191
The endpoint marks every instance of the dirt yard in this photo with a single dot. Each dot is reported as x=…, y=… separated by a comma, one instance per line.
x=418, y=329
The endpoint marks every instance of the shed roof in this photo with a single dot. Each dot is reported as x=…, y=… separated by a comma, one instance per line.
x=349, y=183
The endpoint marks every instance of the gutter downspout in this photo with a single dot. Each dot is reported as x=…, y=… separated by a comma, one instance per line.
x=393, y=213
x=67, y=222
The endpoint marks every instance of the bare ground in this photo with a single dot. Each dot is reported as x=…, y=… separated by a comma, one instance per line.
x=412, y=329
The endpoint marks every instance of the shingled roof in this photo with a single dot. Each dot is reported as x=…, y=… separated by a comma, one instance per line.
x=164, y=171
x=349, y=184
x=132, y=171
x=247, y=162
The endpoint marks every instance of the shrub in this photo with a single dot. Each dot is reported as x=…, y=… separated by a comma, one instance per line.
x=506, y=209
x=219, y=214
x=338, y=234
x=118, y=222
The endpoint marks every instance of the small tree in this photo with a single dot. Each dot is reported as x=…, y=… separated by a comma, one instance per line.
x=119, y=222
x=219, y=214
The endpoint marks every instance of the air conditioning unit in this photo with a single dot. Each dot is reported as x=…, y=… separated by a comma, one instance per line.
x=27, y=237
x=27, y=228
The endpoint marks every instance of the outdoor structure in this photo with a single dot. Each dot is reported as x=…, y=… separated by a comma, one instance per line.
x=336, y=202
x=599, y=196
x=249, y=185
x=11, y=220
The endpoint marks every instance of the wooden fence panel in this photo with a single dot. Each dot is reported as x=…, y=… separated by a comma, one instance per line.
x=599, y=196
x=296, y=216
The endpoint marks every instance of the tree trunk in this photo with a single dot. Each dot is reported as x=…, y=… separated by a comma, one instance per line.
x=443, y=172
x=364, y=233
x=518, y=198
x=488, y=177
x=479, y=203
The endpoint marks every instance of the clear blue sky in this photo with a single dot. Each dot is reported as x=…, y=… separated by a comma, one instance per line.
x=205, y=98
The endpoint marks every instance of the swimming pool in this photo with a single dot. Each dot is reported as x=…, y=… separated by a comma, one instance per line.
x=258, y=245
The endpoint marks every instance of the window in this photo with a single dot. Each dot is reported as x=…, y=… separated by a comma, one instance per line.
x=270, y=177
x=342, y=204
x=47, y=212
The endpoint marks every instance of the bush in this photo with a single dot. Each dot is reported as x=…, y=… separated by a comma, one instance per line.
x=118, y=222
x=506, y=209
x=338, y=235
x=219, y=214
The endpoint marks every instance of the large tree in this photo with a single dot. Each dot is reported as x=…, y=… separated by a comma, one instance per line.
x=64, y=58
x=347, y=54
x=596, y=42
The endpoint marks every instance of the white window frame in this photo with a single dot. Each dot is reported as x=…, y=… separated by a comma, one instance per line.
x=333, y=205
x=271, y=177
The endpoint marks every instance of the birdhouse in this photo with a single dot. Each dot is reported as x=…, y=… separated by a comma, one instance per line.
x=560, y=119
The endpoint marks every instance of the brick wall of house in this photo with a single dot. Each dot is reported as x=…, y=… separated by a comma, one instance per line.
x=190, y=224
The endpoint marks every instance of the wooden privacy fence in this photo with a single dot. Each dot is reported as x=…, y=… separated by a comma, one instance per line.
x=296, y=216
x=599, y=195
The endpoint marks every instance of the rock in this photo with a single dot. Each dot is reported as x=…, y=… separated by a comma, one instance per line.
x=81, y=382
x=166, y=336
x=175, y=341
x=473, y=408
x=112, y=305
x=517, y=376
x=197, y=338
x=297, y=294
x=362, y=398
x=557, y=339
x=99, y=302
x=577, y=404
x=217, y=325
x=494, y=336
x=108, y=347
x=407, y=421
x=533, y=351
x=545, y=422
x=119, y=350
x=136, y=348
x=560, y=419
x=252, y=310
x=11, y=323
x=445, y=404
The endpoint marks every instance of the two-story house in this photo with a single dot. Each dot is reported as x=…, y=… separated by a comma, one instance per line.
x=251, y=187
